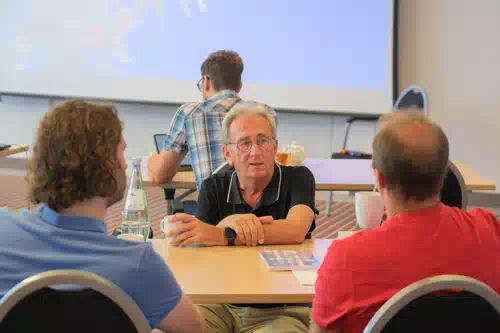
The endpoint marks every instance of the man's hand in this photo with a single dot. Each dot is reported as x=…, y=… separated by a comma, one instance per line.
x=194, y=231
x=163, y=166
x=155, y=162
x=248, y=227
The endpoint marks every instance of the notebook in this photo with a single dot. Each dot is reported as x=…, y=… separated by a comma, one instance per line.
x=288, y=260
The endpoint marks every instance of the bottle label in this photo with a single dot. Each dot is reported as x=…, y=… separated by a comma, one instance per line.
x=135, y=200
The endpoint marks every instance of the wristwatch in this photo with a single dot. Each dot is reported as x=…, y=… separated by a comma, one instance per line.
x=230, y=236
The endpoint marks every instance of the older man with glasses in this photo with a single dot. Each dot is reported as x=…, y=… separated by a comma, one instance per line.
x=255, y=202
x=196, y=126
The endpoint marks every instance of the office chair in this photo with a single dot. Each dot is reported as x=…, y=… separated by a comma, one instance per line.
x=40, y=304
x=463, y=304
x=412, y=97
x=454, y=192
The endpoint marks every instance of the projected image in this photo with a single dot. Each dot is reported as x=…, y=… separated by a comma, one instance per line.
x=74, y=36
x=321, y=43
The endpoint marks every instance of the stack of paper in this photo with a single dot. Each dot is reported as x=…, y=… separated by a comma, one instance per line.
x=306, y=278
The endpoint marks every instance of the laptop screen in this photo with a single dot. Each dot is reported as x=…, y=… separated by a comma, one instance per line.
x=160, y=141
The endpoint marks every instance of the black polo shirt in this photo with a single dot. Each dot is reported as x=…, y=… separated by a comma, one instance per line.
x=220, y=195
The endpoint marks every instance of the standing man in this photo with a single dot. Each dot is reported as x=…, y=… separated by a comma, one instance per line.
x=77, y=171
x=196, y=126
x=420, y=238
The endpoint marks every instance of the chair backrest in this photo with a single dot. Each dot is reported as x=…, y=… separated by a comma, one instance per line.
x=69, y=301
x=454, y=192
x=464, y=305
x=412, y=97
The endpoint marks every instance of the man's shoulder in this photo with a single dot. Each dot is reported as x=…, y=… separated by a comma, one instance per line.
x=220, y=180
x=7, y=215
x=222, y=176
x=481, y=213
x=297, y=173
x=481, y=220
x=473, y=216
x=188, y=108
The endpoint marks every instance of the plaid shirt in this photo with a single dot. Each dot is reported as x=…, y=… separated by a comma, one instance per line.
x=196, y=127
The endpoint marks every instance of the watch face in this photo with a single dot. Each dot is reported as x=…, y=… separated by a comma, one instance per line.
x=229, y=233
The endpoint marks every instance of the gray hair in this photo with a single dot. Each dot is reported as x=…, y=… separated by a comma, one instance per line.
x=244, y=108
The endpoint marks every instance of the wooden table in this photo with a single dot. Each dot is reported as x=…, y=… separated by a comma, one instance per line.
x=236, y=274
x=14, y=149
x=343, y=175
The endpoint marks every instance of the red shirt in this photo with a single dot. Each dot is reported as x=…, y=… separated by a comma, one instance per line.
x=361, y=272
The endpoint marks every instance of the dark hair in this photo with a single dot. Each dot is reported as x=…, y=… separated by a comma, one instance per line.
x=224, y=69
x=412, y=169
x=75, y=154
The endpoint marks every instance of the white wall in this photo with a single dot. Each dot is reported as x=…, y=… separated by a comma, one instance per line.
x=452, y=49
x=320, y=134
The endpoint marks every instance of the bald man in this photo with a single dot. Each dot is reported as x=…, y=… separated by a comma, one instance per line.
x=420, y=238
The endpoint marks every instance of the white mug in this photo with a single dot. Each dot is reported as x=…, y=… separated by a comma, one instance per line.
x=369, y=208
x=165, y=226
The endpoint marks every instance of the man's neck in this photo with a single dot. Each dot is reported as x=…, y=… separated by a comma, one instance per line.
x=213, y=93
x=396, y=207
x=94, y=208
x=252, y=190
x=254, y=187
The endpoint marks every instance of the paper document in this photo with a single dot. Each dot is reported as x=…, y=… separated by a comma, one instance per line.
x=306, y=278
x=289, y=260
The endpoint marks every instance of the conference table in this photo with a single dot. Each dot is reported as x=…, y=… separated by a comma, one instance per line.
x=236, y=274
x=14, y=149
x=340, y=175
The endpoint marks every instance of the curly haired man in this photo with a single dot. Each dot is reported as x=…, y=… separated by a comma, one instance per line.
x=77, y=170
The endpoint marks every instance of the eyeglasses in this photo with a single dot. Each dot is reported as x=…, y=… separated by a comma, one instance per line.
x=264, y=142
x=200, y=84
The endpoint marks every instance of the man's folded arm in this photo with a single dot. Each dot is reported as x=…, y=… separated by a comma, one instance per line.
x=293, y=229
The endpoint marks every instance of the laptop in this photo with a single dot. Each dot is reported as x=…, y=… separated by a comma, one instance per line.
x=160, y=141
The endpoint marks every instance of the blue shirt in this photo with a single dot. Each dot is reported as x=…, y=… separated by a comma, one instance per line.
x=196, y=128
x=34, y=243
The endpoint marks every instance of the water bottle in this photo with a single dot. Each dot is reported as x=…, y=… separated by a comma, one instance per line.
x=135, y=217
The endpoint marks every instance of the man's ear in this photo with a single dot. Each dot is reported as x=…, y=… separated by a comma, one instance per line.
x=239, y=89
x=227, y=155
x=208, y=84
x=380, y=180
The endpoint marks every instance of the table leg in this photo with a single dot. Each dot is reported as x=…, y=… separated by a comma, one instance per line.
x=329, y=203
